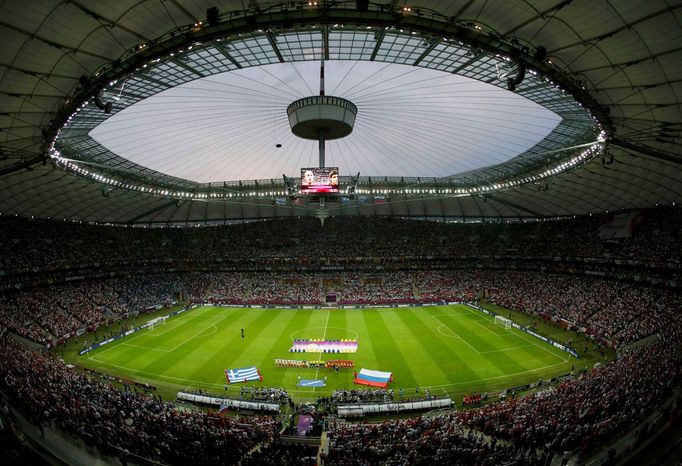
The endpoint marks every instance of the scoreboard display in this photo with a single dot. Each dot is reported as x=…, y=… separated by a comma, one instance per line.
x=320, y=180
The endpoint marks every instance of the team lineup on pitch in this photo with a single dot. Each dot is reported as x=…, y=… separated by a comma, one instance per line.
x=446, y=349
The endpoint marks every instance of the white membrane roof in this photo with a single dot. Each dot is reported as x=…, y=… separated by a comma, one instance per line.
x=411, y=121
x=626, y=55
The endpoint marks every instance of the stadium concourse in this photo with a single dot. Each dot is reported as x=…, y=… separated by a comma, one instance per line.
x=618, y=292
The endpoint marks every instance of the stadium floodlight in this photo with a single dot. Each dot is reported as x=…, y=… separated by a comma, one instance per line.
x=353, y=185
x=290, y=186
x=106, y=106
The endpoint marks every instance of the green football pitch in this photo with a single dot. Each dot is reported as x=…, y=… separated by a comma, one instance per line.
x=448, y=349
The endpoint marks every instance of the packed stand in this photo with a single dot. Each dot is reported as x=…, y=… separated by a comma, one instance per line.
x=616, y=312
x=649, y=237
x=44, y=314
x=106, y=417
x=415, y=441
x=271, y=288
x=455, y=285
x=277, y=454
x=578, y=415
x=362, y=395
x=377, y=289
x=38, y=304
x=231, y=288
x=587, y=412
x=16, y=319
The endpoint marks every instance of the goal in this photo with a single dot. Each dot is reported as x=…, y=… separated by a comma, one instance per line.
x=503, y=321
x=154, y=322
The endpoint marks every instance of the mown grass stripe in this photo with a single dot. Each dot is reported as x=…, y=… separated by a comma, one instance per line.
x=240, y=352
x=118, y=354
x=181, y=362
x=506, y=361
x=390, y=357
x=444, y=353
x=276, y=376
x=214, y=350
x=404, y=341
x=189, y=322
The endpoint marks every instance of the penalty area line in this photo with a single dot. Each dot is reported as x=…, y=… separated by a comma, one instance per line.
x=196, y=335
x=465, y=382
x=456, y=334
x=488, y=329
x=542, y=347
x=148, y=348
x=506, y=349
x=159, y=376
x=168, y=327
x=532, y=341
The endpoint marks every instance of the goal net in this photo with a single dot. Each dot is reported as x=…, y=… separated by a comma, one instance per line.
x=154, y=322
x=503, y=321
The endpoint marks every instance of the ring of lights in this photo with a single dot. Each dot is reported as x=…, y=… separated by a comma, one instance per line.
x=577, y=139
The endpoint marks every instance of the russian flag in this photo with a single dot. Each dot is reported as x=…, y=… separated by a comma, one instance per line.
x=373, y=378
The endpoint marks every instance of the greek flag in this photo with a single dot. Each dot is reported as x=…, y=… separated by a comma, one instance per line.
x=245, y=374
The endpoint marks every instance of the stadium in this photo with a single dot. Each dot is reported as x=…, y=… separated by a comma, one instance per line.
x=341, y=232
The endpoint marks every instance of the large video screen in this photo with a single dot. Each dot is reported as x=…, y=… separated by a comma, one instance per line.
x=320, y=180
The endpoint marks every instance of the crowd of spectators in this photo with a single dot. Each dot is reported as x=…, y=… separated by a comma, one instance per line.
x=575, y=416
x=441, y=286
x=46, y=314
x=278, y=454
x=271, y=288
x=15, y=318
x=38, y=245
x=615, y=312
x=40, y=306
x=274, y=394
x=115, y=420
x=391, y=288
x=362, y=395
x=612, y=311
x=415, y=441
x=228, y=288
x=473, y=399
